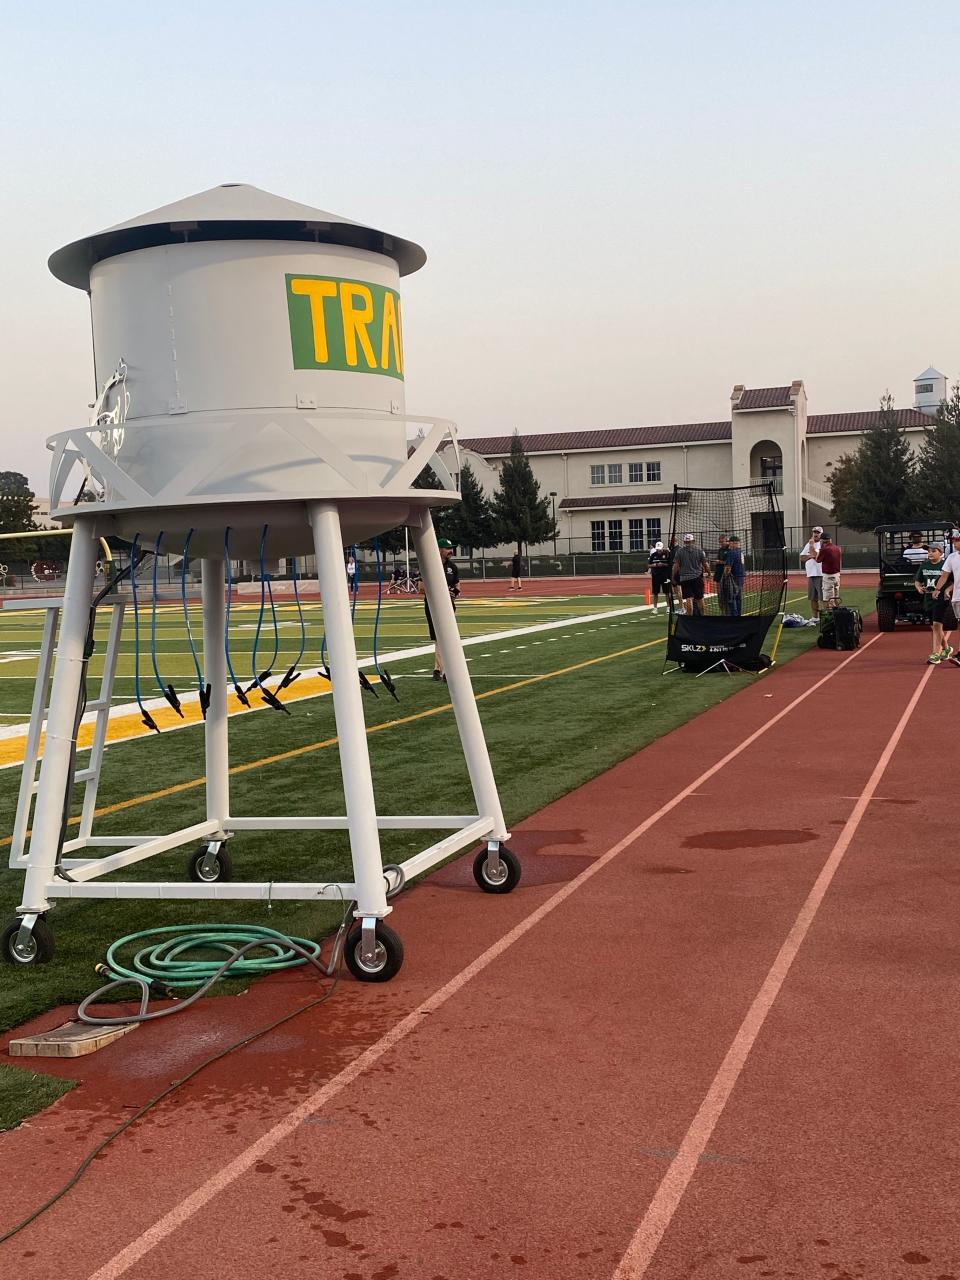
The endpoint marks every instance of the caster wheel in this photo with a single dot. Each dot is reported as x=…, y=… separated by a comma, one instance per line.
x=39, y=949
x=388, y=954
x=507, y=879
x=219, y=869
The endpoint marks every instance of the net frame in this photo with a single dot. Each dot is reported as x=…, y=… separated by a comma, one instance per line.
x=752, y=513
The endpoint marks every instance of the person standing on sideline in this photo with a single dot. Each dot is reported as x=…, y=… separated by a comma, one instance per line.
x=452, y=575
x=730, y=589
x=951, y=567
x=516, y=568
x=829, y=559
x=935, y=602
x=659, y=562
x=719, y=570
x=808, y=561
x=351, y=573
x=689, y=567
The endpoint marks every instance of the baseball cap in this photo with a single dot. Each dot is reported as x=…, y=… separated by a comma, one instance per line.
x=445, y=542
x=658, y=546
x=954, y=534
x=688, y=537
x=818, y=528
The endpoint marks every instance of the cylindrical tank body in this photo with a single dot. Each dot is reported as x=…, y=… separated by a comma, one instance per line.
x=260, y=345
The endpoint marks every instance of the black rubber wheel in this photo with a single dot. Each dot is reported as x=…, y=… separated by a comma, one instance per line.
x=222, y=868
x=39, y=950
x=389, y=953
x=886, y=614
x=509, y=877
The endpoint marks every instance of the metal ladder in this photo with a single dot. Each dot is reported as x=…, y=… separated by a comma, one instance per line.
x=89, y=776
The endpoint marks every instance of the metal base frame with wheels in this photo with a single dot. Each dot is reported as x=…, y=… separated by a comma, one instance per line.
x=78, y=869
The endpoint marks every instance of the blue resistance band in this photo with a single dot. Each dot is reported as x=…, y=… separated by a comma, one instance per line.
x=145, y=715
x=292, y=672
x=355, y=591
x=167, y=690
x=384, y=675
x=237, y=688
x=269, y=697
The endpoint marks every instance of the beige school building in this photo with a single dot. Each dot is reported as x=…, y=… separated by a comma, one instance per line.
x=612, y=489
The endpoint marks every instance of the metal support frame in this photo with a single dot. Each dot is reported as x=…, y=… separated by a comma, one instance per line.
x=93, y=857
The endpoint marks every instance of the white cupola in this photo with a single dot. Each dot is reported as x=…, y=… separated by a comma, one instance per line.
x=929, y=388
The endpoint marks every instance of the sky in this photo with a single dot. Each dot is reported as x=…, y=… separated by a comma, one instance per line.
x=627, y=208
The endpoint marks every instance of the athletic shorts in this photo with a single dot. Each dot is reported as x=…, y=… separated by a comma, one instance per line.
x=943, y=612
x=831, y=586
x=659, y=578
x=815, y=587
x=691, y=588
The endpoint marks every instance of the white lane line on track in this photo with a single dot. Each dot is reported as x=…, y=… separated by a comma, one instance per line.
x=181, y=1213
x=666, y=1200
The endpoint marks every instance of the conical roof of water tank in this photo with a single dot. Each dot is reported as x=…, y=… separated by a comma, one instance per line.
x=232, y=211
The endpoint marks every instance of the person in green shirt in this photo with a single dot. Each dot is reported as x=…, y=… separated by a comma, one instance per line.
x=935, y=601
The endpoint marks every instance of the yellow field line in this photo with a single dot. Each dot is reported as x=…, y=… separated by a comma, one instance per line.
x=179, y=787
x=130, y=727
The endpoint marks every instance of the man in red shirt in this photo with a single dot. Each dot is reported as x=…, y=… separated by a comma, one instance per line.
x=828, y=559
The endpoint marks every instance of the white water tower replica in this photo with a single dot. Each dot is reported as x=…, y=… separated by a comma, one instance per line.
x=249, y=356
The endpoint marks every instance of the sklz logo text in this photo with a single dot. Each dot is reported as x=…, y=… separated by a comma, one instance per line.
x=345, y=324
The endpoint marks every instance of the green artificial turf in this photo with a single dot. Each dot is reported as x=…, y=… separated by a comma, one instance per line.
x=545, y=738
x=24, y=1093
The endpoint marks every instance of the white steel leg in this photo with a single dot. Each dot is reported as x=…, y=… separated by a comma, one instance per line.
x=348, y=709
x=103, y=703
x=458, y=676
x=31, y=754
x=55, y=767
x=215, y=675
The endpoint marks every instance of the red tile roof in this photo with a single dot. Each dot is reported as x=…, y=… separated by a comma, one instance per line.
x=765, y=398
x=819, y=424
x=674, y=433
x=625, y=500
x=612, y=438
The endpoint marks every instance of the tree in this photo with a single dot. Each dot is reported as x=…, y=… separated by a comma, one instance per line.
x=841, y=481
x=938, y=462
x=520, y=515
x=470, y=523
x=16, y=503
x=877, y=485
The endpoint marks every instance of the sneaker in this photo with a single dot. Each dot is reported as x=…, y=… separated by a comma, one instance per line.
x=935, y=659
x=438, y=675
x=946, y=653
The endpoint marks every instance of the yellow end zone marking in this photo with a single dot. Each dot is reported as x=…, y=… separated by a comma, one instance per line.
x=129, y=727
x=295, y=752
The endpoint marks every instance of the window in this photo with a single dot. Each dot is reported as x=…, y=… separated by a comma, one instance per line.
x=636, y=535
x=615, y=473
x=924, y=388
x=615, y=531
x=635, y=472
x=598, y=475
x=598, y=537
x=653, y=472
x=653, y=531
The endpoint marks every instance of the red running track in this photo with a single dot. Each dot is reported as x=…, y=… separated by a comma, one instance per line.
x=639, y=1074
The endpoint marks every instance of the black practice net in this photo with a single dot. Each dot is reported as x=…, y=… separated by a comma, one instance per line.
x=755, y=586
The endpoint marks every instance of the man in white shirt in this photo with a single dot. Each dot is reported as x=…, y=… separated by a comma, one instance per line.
x=808, y=561
x=916, y=553
x=952, y=566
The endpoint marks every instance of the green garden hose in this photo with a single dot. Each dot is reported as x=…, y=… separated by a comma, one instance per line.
x=180, y=957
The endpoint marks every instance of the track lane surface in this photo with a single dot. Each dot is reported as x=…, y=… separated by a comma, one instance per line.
x=528, y=1125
